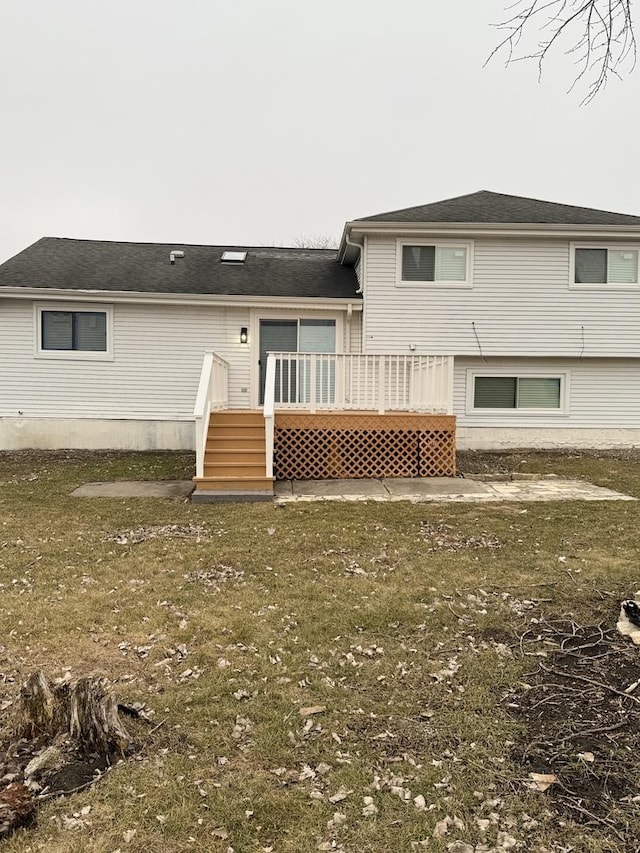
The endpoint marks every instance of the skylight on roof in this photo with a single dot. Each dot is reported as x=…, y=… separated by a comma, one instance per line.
x=233, y=257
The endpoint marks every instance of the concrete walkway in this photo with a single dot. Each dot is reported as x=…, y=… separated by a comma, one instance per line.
x=444, y=490
x=136, y=489
x=440, y=489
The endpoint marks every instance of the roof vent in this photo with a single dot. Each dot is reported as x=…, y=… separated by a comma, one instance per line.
x=233, y=257
x=173, y=254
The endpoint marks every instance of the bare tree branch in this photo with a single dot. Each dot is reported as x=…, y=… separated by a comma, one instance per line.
x=603, y=35
x=315, y=241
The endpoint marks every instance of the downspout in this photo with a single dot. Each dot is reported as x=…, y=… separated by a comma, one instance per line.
x=362, y=250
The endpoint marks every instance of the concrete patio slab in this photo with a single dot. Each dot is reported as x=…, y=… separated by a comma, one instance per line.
x=435, y=486
x=446, y=490
x=136, y=489
x=283, y=488
x=437, y=489
x=338, y=488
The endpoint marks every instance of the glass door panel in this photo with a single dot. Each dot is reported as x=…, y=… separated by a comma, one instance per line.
x=293, y=377
x=279, y=336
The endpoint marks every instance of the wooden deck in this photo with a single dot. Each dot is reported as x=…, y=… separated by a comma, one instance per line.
x=363, y=445
x=322, y=446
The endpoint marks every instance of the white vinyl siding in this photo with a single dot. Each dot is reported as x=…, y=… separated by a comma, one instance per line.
x=521, y=304
x=600, y=393
x=157, y=360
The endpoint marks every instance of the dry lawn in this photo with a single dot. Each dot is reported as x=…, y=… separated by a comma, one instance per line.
x=349, y=677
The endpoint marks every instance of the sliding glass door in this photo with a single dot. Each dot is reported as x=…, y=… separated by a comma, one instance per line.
x=293, y=376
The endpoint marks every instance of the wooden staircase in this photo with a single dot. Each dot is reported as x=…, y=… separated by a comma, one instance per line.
x=235, y=459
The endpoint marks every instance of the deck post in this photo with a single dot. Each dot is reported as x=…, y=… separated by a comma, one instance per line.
x=269, y=412
x=450, y=377
x=313, y=367
x=382, y=375
x=213, y=395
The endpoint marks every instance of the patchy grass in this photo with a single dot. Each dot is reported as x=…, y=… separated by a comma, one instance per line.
x=395, y=628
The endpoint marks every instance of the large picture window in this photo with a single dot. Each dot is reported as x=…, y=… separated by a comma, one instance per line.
x=73, y=332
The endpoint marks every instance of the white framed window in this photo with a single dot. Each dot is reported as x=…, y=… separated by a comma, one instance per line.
x=597, y=265
x=429, y=262
x=530, y=393
x=80, y=331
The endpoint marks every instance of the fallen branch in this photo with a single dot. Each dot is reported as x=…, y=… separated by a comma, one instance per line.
x=591, y=681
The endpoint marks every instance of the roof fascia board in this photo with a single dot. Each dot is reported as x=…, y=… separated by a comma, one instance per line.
x=493, y=229
x=198, y=299
x=347, y=245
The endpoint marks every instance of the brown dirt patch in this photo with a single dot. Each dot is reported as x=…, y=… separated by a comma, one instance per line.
x=581, y=718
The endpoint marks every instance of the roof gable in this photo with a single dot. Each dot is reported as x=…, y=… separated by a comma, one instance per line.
x=497, y=208
x=66, y=264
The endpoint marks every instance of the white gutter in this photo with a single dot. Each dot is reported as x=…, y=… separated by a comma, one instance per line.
x=196, y=299
x=622, y=232
x=360, y=248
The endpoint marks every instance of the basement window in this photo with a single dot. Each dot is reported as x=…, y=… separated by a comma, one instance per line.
x=233, y=257
x=506, y=393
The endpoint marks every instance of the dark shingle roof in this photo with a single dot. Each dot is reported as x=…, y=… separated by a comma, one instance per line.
x=98, y=265
x=497, y=208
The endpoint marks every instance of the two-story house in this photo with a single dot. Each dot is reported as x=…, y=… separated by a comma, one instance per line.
x=511, y=320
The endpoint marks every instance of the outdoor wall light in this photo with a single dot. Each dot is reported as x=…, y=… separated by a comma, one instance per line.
x=244, y=335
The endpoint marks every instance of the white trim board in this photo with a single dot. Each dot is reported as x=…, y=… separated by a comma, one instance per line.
x=130, y=296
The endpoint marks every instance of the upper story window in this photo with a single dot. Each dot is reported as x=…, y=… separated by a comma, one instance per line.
x=434, y=263
x=600, y=265
x=74, y=332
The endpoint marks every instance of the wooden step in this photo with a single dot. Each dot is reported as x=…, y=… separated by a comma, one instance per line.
x=235, y=431
x=235, y=459
x=234, y=484
x=234, y=469
x=215, y=454
x=240, y=443
x=238, y=416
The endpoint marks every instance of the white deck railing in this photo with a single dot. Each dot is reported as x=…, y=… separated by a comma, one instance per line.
x=345, y=381
x=213, y=395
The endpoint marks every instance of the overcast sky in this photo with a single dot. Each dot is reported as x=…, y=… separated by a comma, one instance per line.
x=254, y=122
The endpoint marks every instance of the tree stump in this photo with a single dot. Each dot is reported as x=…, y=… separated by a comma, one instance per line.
x=86, y=711
x=94, y=721
x=36, y=713
x=61, y=733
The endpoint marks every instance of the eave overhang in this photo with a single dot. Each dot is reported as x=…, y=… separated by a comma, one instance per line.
x=196, y=299
x=355, y=231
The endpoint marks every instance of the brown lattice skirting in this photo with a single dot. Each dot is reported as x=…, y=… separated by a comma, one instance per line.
x=363, y=446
